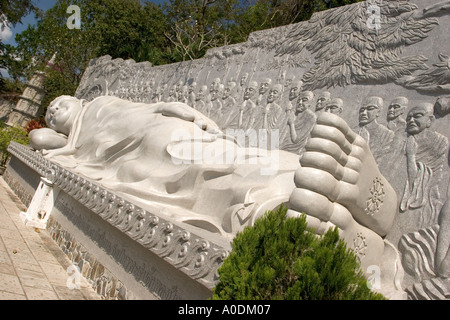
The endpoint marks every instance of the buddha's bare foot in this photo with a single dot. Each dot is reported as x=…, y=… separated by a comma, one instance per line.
x=339, y=184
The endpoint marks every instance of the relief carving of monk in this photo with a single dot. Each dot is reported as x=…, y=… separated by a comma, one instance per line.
x=425, y=155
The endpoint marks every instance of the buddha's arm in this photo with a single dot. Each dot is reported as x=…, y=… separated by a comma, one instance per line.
x=184, y=112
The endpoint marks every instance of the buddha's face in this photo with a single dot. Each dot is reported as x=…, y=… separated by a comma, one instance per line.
x=217, y=93
x=184, y=91
x=172, y=91
x=215, y=85
x=288, y=82
x=61, y=113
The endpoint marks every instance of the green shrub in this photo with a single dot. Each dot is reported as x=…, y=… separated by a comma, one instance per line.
x=280, y=258
x=8, y=134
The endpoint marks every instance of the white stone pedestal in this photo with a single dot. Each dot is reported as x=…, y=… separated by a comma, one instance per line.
x=41, y=205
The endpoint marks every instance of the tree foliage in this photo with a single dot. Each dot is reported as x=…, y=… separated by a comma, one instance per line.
x=121, y=28
x=197, y=25
x=290, y=11
x=140, y=30
x=13, y=11
x=254, y=15
x=127, y=29
x=280, y=258
x=10, y=89
x=8, y=134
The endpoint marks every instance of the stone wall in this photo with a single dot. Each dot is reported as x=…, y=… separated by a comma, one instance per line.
x=375, y=64
x=396, y=51
x=100, y=278
x=5, y=109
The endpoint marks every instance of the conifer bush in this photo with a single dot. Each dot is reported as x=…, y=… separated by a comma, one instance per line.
x=281, y=258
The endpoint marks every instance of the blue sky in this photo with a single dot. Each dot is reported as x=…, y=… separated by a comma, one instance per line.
x=30, y=19
x=44, y=5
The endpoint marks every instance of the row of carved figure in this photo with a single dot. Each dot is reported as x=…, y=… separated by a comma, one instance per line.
x=233, y=106
x=198, y=97
x=261, y=107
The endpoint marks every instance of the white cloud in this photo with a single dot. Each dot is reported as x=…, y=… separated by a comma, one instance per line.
x=5, y=30
x=5, y=34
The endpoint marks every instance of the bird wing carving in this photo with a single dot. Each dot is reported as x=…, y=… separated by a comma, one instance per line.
x=359, y=43
x=435, y=79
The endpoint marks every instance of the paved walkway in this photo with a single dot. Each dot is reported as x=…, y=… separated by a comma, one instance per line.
x=32, y=267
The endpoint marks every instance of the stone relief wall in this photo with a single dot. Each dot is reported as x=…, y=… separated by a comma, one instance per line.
x=382, y=66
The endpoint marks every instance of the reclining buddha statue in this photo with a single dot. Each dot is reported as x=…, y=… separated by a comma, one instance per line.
x=172, y=160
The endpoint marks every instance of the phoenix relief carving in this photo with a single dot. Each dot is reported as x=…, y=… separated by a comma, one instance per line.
x=362, y=43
